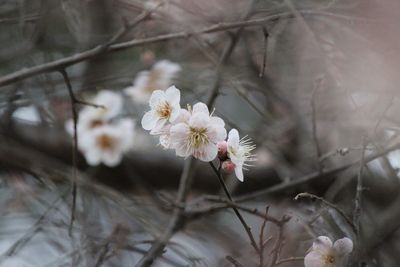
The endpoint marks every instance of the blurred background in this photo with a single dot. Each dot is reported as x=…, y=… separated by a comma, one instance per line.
x=311, y=82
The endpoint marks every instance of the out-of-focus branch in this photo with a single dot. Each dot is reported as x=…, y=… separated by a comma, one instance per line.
x=88, y=54
x=329, y=204
x=314, y=176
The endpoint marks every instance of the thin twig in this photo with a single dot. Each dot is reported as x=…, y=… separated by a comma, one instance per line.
x=277, y=247
x=88, y=54
x=240, y=217
x=261, y=239
x=331, y=205
x=177, y=219
x=233, y=261
x=318, y=83
x=289, y=260
x=358, y=198
x=264, y=58
x=295, y=182
x=74, y=146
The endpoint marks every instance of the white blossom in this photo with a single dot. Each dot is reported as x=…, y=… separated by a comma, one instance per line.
x=107, y=143
x=158, y=78
x=199, y=135
x=164, y=133
x=92, y=117
x=325, y=254
x=239, y=152
x=165, y=108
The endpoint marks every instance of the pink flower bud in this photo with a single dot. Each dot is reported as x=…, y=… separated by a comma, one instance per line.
x=222, y=150
x=228, y=166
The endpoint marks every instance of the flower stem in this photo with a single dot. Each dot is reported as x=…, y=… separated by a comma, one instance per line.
x=240, y=217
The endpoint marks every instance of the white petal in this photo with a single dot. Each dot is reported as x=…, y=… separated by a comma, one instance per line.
x=206, y=152
x=92, y=157
x=343, y=246
x=159, y=127
x=322, y=244
x=157, y=97
x=173, y=95
x=175, y=113
x=112, y=158
x=200, y=108
x=179, y=133
x=111, y=101
x=239, y=172
x=164, y=141
x=217, y=121
x=233, y=138
x=184, y=116
x=217, y=133
x=149, y=120
x=199, y=120
x=313, y=259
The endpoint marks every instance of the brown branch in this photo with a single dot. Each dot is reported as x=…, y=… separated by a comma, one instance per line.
x=289, y=260
x=277, y=247
x=264, y=58
x=88, y=54
x=261, y=239
x=331, y=205
x=295, y=182
x=318, y=83
x=240, y=217
x=177, y=219
x=233, y=261
x=358, y=198
x=74, y=146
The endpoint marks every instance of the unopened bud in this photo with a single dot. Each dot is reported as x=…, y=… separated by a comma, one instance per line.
x=222, y=150
x=228, y=166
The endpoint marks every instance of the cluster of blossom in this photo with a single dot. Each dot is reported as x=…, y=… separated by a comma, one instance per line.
x=194, y=131
x=102, y=137
x=324, y=253
x=146, y=82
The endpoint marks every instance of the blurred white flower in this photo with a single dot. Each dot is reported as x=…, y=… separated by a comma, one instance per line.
x=158, y=78
x=112, y=103
x=165, y=108
x=92, y=117
x=199, y=135
x=239, y=152
x=107, y=143
x=325, y=254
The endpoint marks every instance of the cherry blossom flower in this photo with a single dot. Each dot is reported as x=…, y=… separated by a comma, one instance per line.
x=199, y=135
x=91, y=117
x=164, y=133
x=158, y=78
x=325, y=254
x=107, y=143
x=239, y=152
x=111, y=102
x=165, y=108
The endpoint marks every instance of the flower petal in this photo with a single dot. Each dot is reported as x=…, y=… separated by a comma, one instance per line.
x=199, y=120
x=111, y=158
x=173, y=95
x=149, y=120
x=206, y=152
x=200, y=108
x=157, y=97
x=313, y=259
x=343, y=246
x=92, y=157
x=322, y=244
x=239, y=172
x=233, y=138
